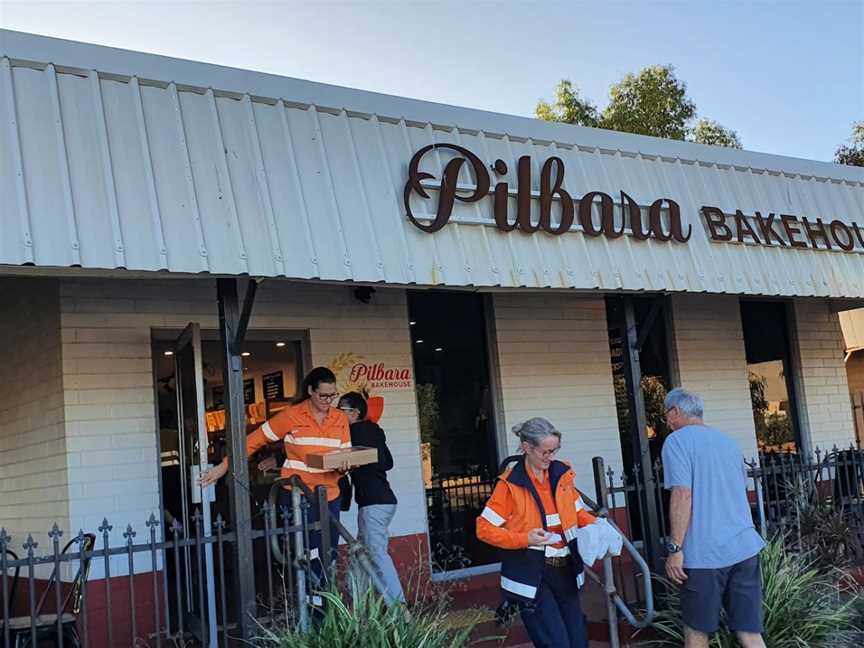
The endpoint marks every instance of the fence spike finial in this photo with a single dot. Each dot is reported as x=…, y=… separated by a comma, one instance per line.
x=55, y=533
x=220, y=522
x=30, y=544
x=152, y=522
x=4, y=538
x=129, y=534
x=105, y=528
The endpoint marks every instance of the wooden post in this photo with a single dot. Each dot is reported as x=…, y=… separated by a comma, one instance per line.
x=238, y=475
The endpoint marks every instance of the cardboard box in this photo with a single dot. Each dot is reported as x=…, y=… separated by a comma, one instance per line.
x=356, y=456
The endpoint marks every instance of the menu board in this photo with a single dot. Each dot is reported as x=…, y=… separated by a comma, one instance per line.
x=274, y=385
x=249, y=391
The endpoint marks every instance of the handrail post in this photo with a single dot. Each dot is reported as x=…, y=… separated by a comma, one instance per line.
x=302, y=611
x=608, y=576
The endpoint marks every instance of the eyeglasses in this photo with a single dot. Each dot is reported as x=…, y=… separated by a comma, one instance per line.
x=666, y=413
x=546, y=453
x=327, y=397
x=349, y=409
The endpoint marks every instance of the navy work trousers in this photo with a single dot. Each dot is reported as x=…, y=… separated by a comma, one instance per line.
x=554, y=618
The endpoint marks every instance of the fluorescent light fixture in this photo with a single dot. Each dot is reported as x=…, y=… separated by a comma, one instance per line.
x=169, y=353
x=412, y=323
x=438, y=349
x=245, y=354
x=418, y=341
x=280, y=344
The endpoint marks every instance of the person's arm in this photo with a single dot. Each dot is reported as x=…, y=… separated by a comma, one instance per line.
x=490, y=524
x=680, y=505
x=270, y=431
x=583, y=517
x=678, y=477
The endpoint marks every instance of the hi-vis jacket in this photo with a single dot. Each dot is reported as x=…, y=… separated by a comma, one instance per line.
x=514, y=509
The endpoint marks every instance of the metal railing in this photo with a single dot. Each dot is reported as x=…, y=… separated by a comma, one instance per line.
x=174, y=573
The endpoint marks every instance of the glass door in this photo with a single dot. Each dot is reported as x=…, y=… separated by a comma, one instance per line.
x=199, y=604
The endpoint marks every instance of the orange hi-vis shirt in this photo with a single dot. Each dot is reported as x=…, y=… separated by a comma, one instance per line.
x=301, y=433
x=553, y=521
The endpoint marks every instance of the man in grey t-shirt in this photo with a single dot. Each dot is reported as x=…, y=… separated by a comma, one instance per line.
x=714, y=547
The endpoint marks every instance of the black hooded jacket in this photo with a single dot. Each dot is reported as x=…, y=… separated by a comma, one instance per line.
x=370, y=481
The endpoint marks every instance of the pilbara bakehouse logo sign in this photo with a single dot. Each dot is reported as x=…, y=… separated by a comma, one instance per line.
x=617, y=218
x=356, y=373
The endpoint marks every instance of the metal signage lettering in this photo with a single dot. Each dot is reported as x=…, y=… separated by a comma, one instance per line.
x=551, y=181
x=783, y=230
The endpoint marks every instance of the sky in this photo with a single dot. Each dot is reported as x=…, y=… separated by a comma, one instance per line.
x=788, y=76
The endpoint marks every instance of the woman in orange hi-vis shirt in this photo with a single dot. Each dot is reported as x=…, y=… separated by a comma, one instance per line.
x=533, y=517
x=312, y=425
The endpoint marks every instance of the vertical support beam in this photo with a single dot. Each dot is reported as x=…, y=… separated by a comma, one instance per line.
x=235, y=429
x=641, y=450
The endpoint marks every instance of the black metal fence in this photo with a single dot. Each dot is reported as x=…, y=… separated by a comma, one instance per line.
x=173, y=599
x=816, y=501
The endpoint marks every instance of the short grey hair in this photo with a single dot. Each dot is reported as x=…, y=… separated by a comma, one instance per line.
x=534, y=430
x=690, y=403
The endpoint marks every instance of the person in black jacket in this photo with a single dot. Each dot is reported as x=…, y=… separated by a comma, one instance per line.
x=375, y=498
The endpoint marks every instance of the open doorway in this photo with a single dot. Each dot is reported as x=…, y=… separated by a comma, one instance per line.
x=190, y=399
x=457, y=427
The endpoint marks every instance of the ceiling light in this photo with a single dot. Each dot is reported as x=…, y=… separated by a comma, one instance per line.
x=169, y=353
x=245, y=354
x=438, y=349
x=418, y=341
x=280, y=344
x=412, y=323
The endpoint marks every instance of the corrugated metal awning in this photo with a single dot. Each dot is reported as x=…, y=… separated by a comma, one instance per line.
x=113, y=159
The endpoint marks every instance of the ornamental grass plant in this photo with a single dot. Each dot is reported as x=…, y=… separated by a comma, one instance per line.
x=806, y=606
x=364, y=620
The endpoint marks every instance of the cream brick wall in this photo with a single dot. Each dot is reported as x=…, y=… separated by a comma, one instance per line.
x=709, y=347
x=109, y=384
x=826, y=418
x=553, y=351
x=33, y=474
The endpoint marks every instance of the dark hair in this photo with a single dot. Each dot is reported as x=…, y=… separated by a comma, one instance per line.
x=313, y=380
x=356, y=401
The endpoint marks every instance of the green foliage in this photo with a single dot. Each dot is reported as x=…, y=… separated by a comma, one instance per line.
x=367, y=622
x=853, y=153
x=710, y=132
x=772, y=429
x=569, y=107
x=428, y=412
x=805, y=607
x=652, y=102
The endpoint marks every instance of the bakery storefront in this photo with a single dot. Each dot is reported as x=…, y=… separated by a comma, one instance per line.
x=466, y=270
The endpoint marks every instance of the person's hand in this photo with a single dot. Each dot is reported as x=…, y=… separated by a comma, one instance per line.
x=210, y=477
x=675, y=568
x=538, y=537
x=344, y=467
x=267, y=464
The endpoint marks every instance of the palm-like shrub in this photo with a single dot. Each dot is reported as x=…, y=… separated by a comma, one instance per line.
x=805, y=607
x=364, y=620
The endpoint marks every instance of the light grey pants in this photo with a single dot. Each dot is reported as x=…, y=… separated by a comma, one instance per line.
x=372, y=524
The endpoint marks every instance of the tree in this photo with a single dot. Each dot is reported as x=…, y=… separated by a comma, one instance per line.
x=710, y=132
x=569, y=107
x=853, y=154
x=652, y=102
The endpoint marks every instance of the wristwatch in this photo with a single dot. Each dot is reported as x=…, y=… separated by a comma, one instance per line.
x=672, y=548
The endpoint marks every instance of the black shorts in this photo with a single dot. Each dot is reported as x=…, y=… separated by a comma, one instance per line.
x=736, y=589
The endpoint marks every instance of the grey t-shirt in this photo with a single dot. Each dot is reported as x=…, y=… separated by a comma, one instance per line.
x=710, y=464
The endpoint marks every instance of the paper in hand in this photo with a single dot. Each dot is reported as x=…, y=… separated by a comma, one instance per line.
x=553, y=537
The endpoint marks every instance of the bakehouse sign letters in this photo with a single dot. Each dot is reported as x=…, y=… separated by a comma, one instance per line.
x=664, y=214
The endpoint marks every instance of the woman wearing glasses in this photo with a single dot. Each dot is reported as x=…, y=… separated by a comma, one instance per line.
x=375, y=498
x=309, y=426
x=533, y=516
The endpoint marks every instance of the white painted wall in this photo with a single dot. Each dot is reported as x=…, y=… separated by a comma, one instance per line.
x=823, y=388
x=711, y=361
x=33, y=472
x=553, y=350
